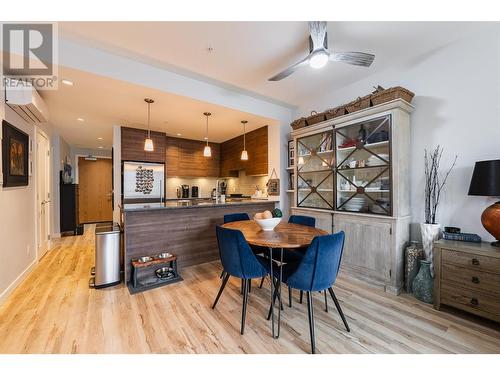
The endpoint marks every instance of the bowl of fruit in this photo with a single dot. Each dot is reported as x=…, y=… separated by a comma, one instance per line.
x=268, y=220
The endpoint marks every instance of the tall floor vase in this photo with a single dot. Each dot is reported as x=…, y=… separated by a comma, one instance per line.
x=423, y=283
x=430, y=233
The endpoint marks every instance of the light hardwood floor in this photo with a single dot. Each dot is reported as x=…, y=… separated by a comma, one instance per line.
x=54, y=311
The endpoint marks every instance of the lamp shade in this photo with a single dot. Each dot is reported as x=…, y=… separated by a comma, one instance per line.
x=148, y=145
x=485, y=179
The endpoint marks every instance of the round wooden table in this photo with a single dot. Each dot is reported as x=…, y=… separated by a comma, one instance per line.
x=284, y=236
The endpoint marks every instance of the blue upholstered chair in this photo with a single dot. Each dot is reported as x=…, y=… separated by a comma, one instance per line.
x=317, y=271
x=303, y=220
x=240, y=216
x=238, y=260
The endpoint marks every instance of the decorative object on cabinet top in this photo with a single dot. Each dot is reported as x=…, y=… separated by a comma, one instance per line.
x=377, y=97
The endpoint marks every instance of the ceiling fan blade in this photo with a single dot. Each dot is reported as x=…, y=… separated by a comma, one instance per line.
x=317, y=30
x=353, y=58
x=285, y=73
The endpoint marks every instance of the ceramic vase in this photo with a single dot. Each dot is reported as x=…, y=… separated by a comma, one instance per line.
x=430, y=233
x=423, y=283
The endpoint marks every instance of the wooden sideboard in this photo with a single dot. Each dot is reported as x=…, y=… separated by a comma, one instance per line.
x=467, y=277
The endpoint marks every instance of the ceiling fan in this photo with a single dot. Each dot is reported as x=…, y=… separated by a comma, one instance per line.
x=319, y=55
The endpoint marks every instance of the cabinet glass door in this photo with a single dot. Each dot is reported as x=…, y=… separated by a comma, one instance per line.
x=364, y=167
x=315, y=165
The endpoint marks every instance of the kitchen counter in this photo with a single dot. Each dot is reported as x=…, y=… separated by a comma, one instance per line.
x=191, y=203
x=185, y=229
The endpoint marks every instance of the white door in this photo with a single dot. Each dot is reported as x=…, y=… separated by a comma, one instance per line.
x=43, y=192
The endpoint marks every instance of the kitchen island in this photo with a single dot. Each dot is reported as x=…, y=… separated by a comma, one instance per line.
x=185, y=228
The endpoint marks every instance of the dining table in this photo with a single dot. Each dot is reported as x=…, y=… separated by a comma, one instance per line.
x=284, y=236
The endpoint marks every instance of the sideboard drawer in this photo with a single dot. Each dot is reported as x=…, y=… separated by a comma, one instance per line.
x=471, y=279
x=471, y=261
x=469, y=300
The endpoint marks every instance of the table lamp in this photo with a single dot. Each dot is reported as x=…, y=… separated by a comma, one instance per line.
x=486, y=182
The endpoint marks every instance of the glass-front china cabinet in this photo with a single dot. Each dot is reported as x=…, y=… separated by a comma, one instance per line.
x=315, y=170
x=352, y=175
x=363, y=167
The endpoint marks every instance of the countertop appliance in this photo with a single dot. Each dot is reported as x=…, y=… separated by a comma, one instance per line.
x=194, y=192
x=185, y=191
x=108, y=247
x=143, y=182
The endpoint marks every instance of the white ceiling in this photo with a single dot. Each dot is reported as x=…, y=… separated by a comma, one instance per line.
x=246, y=54
x=103, y=102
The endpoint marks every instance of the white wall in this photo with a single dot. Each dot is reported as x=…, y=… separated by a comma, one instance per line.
x=17, y=219
x=457, y=106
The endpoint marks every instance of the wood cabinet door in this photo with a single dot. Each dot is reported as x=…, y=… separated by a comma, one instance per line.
x=185, y=158
x=132, y=146
x=95, y=192
x=367, y=246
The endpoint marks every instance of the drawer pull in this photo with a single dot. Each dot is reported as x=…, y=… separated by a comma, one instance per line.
x=474, y=301
x=475, y=279
x=475, y=262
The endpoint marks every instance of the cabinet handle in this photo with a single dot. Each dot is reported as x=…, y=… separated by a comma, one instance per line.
x=474, y=301
x=475, y=279
x=475, y=262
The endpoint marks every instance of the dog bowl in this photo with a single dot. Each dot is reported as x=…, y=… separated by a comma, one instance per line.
x=164, y=255
x=164, y=273
x=144, y=259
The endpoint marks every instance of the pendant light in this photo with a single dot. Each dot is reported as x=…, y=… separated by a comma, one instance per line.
x=148, y=143
x=244, y=153
x=207, y=151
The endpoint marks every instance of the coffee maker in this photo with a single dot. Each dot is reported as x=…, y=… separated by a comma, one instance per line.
x=185, y=191
x=194, y=191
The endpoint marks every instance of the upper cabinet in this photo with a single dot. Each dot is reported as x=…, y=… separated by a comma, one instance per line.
x=132, y=144
x=185, y=158
x=256, y=145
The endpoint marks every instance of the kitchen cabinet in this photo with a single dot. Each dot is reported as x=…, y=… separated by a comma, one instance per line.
x=256, y=145
x=132, y=146
x=184, y=158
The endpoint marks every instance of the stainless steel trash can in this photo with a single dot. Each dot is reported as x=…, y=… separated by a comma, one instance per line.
x=107, y=256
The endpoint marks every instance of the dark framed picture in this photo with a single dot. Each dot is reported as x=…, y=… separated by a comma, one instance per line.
x=291, y=153
x=14, y=156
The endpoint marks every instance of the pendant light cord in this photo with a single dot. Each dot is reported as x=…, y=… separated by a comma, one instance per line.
x=206, y=133
x=149, y=111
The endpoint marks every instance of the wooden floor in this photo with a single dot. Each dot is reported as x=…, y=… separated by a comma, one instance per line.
x=54, y=311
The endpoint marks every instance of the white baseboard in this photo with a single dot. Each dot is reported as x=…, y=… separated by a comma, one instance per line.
x=8, y=291
x=55, y=235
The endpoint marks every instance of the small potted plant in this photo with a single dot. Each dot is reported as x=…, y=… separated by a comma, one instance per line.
x=435, y=181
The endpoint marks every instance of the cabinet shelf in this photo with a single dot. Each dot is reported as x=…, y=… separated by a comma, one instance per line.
x=366, y=191
x=367, y=167
x=367, y=145
x=321, y=190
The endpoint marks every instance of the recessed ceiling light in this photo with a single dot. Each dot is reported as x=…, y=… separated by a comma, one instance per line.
x=100, y=138
x=80, y=119
x=100, y=147
x=179, y=134
x=67, y=82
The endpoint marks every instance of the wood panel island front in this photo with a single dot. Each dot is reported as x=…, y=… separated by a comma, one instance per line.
x=188, y=231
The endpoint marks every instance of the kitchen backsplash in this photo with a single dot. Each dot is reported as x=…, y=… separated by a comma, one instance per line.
x=243, y=184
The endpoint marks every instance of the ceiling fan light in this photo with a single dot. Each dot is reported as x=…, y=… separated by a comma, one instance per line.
x=244, y=155
x=207, y=151
x=148, y=145
x=318, y=59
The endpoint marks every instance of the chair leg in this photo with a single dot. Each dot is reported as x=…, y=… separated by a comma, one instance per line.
x=289, y=296
x=245, y=302
x=326, y=301
x=301, y=295
x=337, y=305
x=249, y=285
x=311, y=321
x=224, y=282
x=262, y=282
x=222, y=274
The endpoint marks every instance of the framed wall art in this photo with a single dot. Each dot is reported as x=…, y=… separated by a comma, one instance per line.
x=15, y=148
